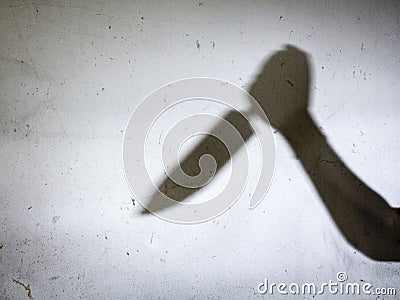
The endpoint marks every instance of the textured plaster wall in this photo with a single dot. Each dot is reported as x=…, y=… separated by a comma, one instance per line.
x=71, y=73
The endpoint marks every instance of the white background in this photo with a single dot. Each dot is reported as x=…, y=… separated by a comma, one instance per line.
x=74, y=71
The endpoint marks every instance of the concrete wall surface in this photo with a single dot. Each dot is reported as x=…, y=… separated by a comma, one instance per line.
x=71, y=75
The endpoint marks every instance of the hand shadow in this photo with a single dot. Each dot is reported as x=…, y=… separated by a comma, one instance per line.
x=282, y=89
x=363, y=217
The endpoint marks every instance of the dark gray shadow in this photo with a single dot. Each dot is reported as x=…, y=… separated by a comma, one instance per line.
x=363, y=217
x=209, y=145
x=282, y=89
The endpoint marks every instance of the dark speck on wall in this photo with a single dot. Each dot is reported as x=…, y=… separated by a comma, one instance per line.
x=55, y=219
x=54, y=278
x=27, y=287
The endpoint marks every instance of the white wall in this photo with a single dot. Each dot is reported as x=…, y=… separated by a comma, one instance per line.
x=71, y=74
